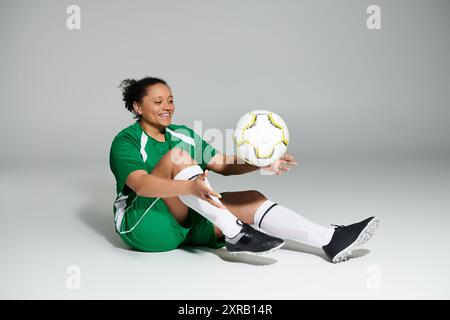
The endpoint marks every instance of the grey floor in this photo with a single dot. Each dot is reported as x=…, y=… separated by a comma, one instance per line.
x=53, y=219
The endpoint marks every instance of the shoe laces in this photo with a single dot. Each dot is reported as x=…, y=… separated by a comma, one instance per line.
x=338, y=226
x=240, y=222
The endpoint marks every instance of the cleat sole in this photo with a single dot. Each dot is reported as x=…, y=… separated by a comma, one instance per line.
x=235, y=253
x=363, y=237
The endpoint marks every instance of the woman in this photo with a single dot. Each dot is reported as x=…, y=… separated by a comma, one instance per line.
x=164, y=199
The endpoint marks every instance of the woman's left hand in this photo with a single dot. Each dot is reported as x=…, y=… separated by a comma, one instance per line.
x=282, y=164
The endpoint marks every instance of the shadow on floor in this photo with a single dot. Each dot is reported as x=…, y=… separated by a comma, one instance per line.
x=223, y=254
x=266, y=260
x=97, y=212
x=101, y=220
x=303, y=248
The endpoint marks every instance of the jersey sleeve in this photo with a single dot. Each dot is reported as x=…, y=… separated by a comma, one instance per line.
x=204, y=151
x=124, y=158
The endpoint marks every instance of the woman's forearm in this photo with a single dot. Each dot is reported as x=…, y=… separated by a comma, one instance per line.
x=235, y=166
x=153, y=186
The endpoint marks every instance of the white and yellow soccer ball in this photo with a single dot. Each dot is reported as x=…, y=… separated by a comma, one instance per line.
x=261, y=137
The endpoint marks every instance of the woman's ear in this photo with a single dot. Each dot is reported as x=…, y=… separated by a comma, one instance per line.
x=137, y=108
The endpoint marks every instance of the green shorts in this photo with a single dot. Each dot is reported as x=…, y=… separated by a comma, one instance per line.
x=160, y=231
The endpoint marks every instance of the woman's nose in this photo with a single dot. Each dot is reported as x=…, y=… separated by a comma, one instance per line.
x=166, y=106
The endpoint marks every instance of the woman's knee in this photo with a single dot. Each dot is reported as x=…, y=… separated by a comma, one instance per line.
x=171, y=163
x=241, y=197
x=255, y=194
x=178, y=156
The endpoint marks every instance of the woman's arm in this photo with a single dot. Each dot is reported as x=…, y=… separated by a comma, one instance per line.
x=230, y=165
x=148, y=185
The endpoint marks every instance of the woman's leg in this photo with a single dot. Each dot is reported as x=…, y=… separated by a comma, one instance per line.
x=254, y=208
x=243, y=204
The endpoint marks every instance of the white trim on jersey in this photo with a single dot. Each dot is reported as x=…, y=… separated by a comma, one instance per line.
x=120, y=204
x=144, y=140
x=140, y=219
x=181, y=136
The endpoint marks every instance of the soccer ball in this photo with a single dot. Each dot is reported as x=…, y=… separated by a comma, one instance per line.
x=261, y=137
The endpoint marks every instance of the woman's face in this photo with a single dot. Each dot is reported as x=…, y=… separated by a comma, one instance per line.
x=157, y=106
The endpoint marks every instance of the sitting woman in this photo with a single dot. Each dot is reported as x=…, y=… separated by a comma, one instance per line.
x=164, y=198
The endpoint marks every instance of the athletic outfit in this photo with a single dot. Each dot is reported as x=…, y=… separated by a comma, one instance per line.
x=145, y=223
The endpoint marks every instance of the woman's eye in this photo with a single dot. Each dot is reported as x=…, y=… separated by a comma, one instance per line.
x=158, y=102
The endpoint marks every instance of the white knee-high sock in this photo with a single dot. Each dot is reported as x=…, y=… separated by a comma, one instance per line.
x=287, y=224
x=222, y=218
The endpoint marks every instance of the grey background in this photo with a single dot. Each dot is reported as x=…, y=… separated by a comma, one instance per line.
x=367, y=111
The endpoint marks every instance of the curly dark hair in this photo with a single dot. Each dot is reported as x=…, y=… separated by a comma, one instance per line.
x=135, y=90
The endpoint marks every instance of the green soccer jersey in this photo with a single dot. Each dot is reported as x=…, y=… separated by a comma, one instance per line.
x=133, y=149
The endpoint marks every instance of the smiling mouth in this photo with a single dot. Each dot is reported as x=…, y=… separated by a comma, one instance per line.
x=165, y=115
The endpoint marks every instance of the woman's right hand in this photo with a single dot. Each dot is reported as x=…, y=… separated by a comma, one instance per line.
x=202, y=191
